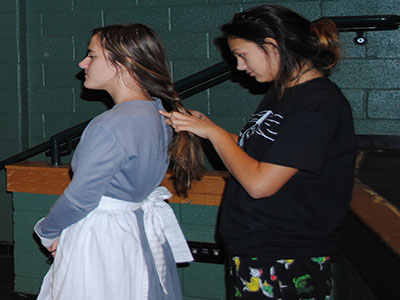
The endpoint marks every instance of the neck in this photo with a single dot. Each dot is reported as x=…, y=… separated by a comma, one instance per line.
x=305, y=74
x=130, y=95
x=127, y=90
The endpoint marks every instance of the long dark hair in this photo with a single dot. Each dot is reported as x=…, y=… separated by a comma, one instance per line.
x=140, y=50
x=298, y=40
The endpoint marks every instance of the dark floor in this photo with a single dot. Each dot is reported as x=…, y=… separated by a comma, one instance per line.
x=7, y=279
x=379, y=170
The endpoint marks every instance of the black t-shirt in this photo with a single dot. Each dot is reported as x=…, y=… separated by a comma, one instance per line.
x=310, y=129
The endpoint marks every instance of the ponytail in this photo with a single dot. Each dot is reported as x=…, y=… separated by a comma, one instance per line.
x=186, y=155
x=326, y=39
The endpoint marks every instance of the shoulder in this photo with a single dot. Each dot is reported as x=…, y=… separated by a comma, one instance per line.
x=133, y=125
x=320, y=95
x=322, y=89
x=133, y=114
x=124, y=111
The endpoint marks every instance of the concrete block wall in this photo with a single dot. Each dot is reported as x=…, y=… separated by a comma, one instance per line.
x=12, y=106
x=369, y=75
x=57, y=34
x=43, y=40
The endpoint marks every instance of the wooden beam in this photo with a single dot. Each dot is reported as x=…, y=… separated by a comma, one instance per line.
x=37, y=178
x=381, y=216
x=42, y=178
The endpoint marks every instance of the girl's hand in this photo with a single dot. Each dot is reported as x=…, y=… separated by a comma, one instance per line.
x=198, y=123
x=200, y=115
x=53, y=248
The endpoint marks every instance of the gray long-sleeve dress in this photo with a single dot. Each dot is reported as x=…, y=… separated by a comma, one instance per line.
x=122, y=155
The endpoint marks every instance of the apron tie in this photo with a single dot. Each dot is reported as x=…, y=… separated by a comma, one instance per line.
x=160, y=225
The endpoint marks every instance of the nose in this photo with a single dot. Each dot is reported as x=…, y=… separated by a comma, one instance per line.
x=84, y=63
x=241, y=65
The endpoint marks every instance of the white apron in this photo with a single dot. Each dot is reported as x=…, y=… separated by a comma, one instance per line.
x=121, y=250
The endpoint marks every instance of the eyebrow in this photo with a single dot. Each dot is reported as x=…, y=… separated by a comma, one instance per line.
x=89, y=50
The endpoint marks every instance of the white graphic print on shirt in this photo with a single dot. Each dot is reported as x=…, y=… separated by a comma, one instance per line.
x=262, y=123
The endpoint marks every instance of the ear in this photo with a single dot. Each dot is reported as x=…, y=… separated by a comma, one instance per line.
x=271, y=45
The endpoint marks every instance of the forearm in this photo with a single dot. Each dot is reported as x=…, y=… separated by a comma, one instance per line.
x=243, y=167
x=259, y=179
x=234, y=136
x=65, y=212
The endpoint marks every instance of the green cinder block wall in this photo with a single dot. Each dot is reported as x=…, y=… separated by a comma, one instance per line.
x=43, y=40
x=13, y=100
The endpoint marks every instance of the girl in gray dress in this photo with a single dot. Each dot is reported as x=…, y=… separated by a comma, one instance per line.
x=111, y=234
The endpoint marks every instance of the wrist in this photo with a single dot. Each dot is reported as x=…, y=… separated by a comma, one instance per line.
x=217, y=135
x=46, y=242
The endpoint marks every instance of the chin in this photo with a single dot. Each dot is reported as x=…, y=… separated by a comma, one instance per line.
x=88, y=85
x=264, y=80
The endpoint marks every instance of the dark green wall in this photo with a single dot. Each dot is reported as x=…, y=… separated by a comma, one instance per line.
x=13, y=99
x=43, y=40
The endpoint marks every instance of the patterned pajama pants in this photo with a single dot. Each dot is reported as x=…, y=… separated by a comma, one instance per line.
x=285, y=279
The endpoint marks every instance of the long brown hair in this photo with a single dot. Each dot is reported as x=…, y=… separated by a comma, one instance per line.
x=298, y=40
x=140, y=50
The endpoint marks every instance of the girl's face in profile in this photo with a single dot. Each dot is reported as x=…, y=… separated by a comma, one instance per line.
x=263, y=65
x=100, y=74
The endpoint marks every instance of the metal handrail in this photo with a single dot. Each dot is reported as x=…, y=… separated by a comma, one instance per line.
x=62, y=143
x=366, y=23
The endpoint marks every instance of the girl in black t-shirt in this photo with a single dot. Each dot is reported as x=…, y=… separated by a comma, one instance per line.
x=291, y=166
